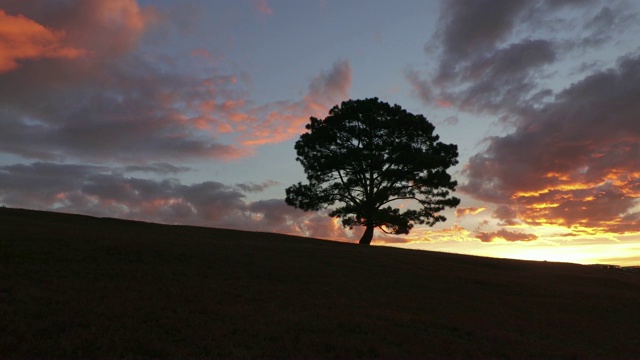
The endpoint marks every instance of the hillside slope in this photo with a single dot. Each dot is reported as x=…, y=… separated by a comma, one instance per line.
x=74, y=286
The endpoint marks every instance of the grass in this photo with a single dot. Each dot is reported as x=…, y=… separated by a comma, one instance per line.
x=74, y=286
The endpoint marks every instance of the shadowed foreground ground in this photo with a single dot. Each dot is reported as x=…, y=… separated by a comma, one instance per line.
x=81, y=287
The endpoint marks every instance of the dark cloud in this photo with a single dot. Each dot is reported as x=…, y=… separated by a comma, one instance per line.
x=572, y=157
x=505, y=235
x=603, y=20
x=606, y=25
x=103, y=191
x=470, y=30
x=251, y=187
x=492, y=55
x=466, y=27
x=506, y=214
x=451, y=120
x=501, y=79
x=276, y=215
x=573, y=162
x=39, y=184
x=157, y=168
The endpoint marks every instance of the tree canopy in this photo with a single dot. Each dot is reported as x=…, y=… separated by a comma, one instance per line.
x=367, y=156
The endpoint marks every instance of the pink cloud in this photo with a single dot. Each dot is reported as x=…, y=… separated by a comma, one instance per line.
x=280, y=121
x=206, y=55
x=262, y=7
x=139, y=107
x=277, y=121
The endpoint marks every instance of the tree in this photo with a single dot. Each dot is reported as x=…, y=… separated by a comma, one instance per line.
x=368, y=154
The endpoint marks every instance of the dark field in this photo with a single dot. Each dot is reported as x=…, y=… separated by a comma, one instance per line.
x=81, y=287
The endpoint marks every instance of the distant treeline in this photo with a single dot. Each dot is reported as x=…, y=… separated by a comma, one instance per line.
x=634, y=269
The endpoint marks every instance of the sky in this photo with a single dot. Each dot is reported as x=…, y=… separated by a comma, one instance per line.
x=186, y=112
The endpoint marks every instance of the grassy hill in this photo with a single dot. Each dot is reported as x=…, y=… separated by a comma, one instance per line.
x=81, y=287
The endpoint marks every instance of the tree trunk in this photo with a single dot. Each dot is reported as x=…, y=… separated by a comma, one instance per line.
x=367, y=236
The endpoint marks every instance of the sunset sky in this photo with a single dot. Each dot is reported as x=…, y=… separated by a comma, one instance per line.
x=186, y=112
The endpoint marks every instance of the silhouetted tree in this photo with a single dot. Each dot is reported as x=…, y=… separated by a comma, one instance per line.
x=367, y=154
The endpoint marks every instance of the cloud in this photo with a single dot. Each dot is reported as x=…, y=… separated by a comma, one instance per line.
x=262, y=7
x=500, y=79
x=471, y=42
x=157, y=168
x=451, y=121
x=116, y=105
x=112, y=192
x=572, y=162
x=569, y=157
x=280, y=121
x=277, y=216
x=251, y=187
x=118, y=116
x=493, y=56
x=453, y=233
x=506, y=214
x=606, y=25
x=121, y=104
x=384, y=239
x=106, y=28
x=330, y=87
x=24, y=39
x=505, y=235
x=136, y=111
x=462, y=211
x=466, y=28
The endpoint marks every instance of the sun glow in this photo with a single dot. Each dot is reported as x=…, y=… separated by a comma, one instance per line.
x=587, y=249
x=537, y=233
x=559, y=188
x=544, y=206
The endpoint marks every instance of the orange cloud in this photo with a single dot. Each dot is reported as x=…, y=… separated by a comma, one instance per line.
x=426, y=234
x=462, y=212
x=71, y=29
x=571, y=163
x=595, y=207
x=24, y=39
